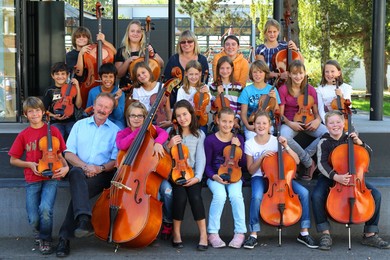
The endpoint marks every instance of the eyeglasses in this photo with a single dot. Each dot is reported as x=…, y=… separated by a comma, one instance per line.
x=187, y=41
x=132, y=116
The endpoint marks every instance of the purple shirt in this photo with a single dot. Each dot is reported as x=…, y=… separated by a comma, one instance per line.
x=290, y=103
x=214, y=154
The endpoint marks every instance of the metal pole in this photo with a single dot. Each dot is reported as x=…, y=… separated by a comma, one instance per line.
x=115, y=22
x=171, y=27
x=278, y=14
x=378, y=60
x=81, y=13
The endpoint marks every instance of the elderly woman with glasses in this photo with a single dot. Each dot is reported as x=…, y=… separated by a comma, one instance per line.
x=187, y=49
x=231, y=47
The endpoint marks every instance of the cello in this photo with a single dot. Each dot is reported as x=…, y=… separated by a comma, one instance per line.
x=98, y=55
x=65, y=106
x=230, y=171
x=201, y=100
x=49, y=145
x=181, y=171
x=352, y=203
x=129, y=212
x=153, y=64
x=283, y=58
x=280, y=206
x=305, y=113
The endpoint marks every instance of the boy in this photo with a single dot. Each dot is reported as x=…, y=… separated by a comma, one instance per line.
x=53, y=95
x=334, y=121
x=40, y=191
x=107, y=73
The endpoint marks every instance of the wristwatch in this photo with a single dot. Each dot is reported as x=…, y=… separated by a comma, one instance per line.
x=102, y=168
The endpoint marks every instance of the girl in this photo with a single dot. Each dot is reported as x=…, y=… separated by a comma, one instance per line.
x=135, y=116
x=231, y=47
x=334, y=121
x=193, y=138
x=256, y=149
x=327, y=90
x=133, y=47
x=192, y=82
x=224, y=82
x=145, y=86
x=271, y=46
x=289, y=93
x=214, y=159
x=250, y=96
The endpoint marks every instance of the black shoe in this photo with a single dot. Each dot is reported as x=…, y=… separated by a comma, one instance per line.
x=177, y=245
x=202, y=247
x=63, y=247
x=84, y=228
x=307, y=241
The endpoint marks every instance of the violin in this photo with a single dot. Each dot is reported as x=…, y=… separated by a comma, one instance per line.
x=305, y=113
x=352, y=203
x=201, y=100
x=266, y=103
x=161, y=114
x=181, y=171
x=153, y=63
x=280, y=206
x=129, y=212
x=49, y=145
x=283, y=58
x=98, y=55
x=65, y=106
x=220, y=102
x=230, y=171
x=339, y=104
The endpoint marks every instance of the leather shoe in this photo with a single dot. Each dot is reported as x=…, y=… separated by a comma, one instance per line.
x=202, y=247
x=177, y=245
x=63, y=247
x=84, y=228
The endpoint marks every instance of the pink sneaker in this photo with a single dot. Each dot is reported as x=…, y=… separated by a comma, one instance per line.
x=237, y=241
x=216, y=241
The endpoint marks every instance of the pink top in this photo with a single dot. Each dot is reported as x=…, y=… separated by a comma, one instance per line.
x=125, y=137
x=290, y=103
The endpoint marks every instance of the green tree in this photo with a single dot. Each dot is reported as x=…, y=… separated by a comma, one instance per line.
x=89, y=6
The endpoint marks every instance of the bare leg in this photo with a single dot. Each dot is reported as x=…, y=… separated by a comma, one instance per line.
x=176, y=231
x=202, y=230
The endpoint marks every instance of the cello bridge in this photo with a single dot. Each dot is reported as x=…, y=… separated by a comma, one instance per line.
x=120, y=185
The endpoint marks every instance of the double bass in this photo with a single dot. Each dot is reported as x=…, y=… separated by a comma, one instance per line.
x=280, y=206
x=283, y=58
x=129, y=212
x=49, y=145
x=201, y=100
x=352, y=203
x=153, y=64
x=98, y=55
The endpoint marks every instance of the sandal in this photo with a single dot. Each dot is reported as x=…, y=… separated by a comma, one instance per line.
x=325, y=242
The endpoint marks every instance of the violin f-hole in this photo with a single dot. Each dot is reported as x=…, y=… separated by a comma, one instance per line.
x=139, y=200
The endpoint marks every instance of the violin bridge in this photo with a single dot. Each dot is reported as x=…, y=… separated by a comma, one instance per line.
x=120, y=185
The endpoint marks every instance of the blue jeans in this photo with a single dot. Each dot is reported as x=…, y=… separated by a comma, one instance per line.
x=165, y=196
x=234, y=191
x=40, y=198
x=303, y=154
x=257, y=184
x=320, y=195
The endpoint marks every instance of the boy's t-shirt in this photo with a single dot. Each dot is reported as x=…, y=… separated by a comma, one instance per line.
x=52, y=96
x=27, y=142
